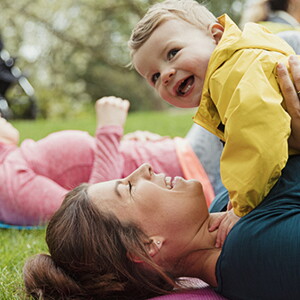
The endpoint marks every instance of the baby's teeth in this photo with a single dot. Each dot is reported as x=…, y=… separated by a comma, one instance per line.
x=188, y=88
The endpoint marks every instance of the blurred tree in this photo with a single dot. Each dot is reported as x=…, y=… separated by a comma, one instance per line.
x=75, y=51
x=233, y=8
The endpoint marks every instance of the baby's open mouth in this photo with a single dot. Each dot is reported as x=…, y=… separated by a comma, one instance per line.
x=185, y=86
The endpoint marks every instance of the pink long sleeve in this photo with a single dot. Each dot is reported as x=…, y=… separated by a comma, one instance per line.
x=109, y=161
x=35, y=177
x=26, y=198
x=116, y=158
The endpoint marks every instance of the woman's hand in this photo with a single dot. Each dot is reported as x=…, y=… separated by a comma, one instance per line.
x=291, y=94
x=111, y=111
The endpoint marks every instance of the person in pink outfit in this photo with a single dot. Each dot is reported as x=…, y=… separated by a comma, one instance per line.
x=36, y=175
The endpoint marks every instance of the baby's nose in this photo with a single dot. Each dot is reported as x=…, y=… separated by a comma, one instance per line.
x=168, y=76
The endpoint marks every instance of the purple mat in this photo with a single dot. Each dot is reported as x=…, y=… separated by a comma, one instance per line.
x=202, y=291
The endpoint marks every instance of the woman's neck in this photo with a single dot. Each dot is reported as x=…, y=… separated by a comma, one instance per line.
x=202, y=258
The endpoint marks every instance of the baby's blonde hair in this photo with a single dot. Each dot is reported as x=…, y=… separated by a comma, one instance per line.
x=187, y=10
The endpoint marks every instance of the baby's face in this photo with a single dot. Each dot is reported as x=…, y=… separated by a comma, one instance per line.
x=174, y=61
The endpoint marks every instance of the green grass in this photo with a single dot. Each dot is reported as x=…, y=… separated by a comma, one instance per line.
x=174, y=122
x=17, y=245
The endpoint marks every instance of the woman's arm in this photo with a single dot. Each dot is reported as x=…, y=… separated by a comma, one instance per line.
x=26, y=197
x=291, y=93
x=111, y=115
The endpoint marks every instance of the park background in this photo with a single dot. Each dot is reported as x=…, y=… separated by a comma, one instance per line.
x=74, y=52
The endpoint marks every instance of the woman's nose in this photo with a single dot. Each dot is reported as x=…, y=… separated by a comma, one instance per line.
x=144, y=171
x=167, y=76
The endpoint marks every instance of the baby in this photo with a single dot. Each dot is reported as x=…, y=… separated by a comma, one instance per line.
x=193, y=59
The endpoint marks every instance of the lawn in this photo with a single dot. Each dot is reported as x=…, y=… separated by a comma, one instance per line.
x=17, y=245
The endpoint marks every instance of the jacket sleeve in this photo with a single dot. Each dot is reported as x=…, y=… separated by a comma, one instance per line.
x=108, y=163
x=256, y=131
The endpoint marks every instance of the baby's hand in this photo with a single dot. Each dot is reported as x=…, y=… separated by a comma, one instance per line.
x=143, y=136
x=111, y=111
x=224, y=224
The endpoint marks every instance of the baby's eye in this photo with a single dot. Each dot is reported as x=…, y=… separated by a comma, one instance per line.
x=172, y=53
x=155, y=77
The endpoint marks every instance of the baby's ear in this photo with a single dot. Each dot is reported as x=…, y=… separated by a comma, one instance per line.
x=217, y=31
x=153, y=248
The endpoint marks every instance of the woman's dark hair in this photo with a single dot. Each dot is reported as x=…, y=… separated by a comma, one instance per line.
x=89, y=257
x=278, y=4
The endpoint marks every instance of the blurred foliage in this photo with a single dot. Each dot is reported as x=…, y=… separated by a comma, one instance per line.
x=75, y=51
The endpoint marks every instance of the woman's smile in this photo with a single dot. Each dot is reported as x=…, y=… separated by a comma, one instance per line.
x=153, y=201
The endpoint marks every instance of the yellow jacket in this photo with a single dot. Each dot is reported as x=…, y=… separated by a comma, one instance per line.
x=241, y=104
x=278, y=27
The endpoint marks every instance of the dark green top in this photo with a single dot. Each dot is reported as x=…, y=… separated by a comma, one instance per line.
x=261, y=255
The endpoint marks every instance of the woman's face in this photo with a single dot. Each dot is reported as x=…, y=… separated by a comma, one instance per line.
x=159, y=205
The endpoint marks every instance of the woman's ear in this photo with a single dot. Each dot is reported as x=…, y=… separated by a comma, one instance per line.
x=155, y=245
x=217, y=31
x=153, y=248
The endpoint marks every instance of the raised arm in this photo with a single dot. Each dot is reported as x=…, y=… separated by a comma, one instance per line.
x=111, y=115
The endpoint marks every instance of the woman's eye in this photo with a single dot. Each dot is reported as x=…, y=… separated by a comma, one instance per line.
x=129, y=187
x=172, y=53
x=155, y=77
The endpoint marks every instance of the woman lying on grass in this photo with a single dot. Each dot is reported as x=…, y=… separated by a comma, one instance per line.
x=135, y=237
